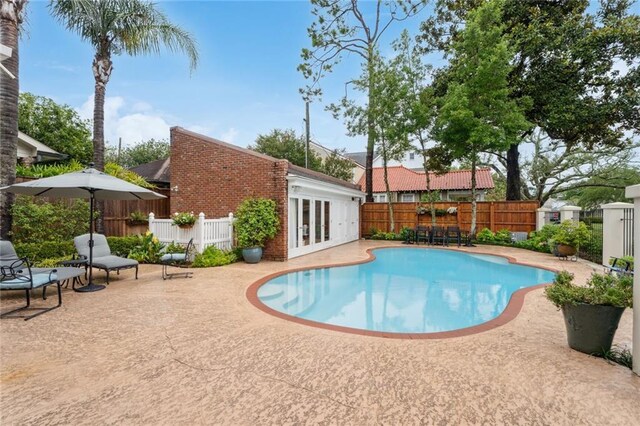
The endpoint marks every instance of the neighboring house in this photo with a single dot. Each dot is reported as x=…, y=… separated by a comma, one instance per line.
x=323, y=152
x=410, y=160
x=156, y=172
x=316, y=211
x=31, y=151
x=408, y=185
x=360, y=159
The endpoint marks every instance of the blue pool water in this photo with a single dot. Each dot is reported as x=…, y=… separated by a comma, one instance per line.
x=404, y=290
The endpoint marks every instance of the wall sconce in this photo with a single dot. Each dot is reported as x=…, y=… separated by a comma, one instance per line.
x=174, y=189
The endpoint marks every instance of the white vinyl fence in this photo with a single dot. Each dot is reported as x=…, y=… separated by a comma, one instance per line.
x=205, y=232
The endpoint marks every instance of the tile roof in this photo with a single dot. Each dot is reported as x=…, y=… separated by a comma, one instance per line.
x=403, y=179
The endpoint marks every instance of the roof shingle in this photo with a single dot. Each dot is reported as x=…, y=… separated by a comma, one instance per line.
x=403, y=179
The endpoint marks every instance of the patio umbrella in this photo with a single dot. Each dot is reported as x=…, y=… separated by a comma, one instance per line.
x=88, y=183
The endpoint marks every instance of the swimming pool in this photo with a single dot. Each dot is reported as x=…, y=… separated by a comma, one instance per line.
x=403, y=290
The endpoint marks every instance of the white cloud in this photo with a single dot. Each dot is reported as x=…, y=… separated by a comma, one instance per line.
x=229, y=136
x=138, y=127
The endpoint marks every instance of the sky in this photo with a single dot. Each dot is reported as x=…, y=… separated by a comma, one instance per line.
x=246, y=83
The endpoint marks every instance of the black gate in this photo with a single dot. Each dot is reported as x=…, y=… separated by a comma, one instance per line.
x=592, y=250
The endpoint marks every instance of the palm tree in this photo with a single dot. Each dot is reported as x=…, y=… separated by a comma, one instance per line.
x=11, y=15
x=134, y=27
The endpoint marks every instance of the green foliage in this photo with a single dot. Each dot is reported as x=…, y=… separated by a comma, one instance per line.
x=183, y=218
x=57, y=126
x=38, y=252
x=174, y=247
x=139, y=153
x=623, y=262
x=148, y=249
x=503, y=236
x=285, y=144
x=50, y=262
x=404, y=233
x=122, y=246
x=572, y=234
x=213, y=256
x=390, y=236
x=127, y=175
x=608, y=186
x=256, y=222
x=485, y=236
x=338, y=166
x=138, y=218
x=600, y=290
x=48, y=170
x=622, y=356
x=36, y=220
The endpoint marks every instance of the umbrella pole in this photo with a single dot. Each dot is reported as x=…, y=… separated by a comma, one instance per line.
x=90, y=285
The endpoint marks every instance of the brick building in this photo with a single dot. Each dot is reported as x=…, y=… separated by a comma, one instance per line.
x=316, y=211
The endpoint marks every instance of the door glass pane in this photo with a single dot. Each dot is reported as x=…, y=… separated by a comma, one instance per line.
x=305, y=221
x=318, y=218
x=293, y=223
x=327, y=220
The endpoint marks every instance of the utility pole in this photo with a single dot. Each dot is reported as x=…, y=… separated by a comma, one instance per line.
x=119, y=149
x=306, y=149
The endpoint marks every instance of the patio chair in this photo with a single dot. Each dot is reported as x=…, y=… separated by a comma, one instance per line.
x=453, y=234
x=422, y=234
x=102, y=257
x=17, y=275
x=438, y=235
x=178, y=260
x=619, y=266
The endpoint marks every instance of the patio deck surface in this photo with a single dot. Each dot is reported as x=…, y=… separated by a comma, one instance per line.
x=195, y=351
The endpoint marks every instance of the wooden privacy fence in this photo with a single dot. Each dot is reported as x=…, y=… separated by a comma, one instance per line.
x=516, y=216
x=116, y=213
x=205, y=232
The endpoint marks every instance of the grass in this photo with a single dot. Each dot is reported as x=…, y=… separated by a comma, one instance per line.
x=620, y=356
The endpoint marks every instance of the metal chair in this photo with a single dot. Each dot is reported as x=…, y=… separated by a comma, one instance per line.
x=438, y=234
x=17, y=275
x=178, y=260
x=453, y=234
x=422, y=234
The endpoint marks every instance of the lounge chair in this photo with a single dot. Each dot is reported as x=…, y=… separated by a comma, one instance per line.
x=178, y=260
x=422, y=234
x=102, y=257
x=438, y=235
x=453, y=234
x=16, y=274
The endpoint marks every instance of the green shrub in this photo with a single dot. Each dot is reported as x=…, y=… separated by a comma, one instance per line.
x=36, y=220
x=148, y=249
x=138, y=218
x=256, y=222
x=386, y=236
x=213, y=256
x=600, y=290
x=122, y=246
x=623, y=261
x=572, y=234
x=49, y=263
x=404, y=233
x=486, y=236
x=174, y=247
x=38, y=252
x=503, y=236
x=48, y=170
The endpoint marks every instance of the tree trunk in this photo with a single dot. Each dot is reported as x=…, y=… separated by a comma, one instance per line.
x=102, y=67
x=371, y=141
x=432, y=206
x=10, y=20
x=514, y=192
x=474, y=204
x=392, y=222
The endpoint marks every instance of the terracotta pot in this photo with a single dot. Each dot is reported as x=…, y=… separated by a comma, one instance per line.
x=563, y=250
x=186, y=226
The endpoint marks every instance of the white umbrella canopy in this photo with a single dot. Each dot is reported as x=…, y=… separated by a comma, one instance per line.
x=88, y=183
x=81, y=185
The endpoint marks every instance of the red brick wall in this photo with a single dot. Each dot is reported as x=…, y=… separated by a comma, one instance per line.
x=214, y=177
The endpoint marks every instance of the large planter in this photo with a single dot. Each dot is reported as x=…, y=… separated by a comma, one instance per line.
x=563, y=250
x=590, y=328
x=252, y=254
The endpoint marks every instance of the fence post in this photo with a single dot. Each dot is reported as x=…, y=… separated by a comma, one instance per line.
x=200, y=232
x=634, y=192
x=612, y=230
x=151, y=218
x=570, y=213
x=230, y=230
x=492, y=218
x=541, y=217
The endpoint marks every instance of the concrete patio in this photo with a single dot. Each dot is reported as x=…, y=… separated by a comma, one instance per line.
x=195, y=351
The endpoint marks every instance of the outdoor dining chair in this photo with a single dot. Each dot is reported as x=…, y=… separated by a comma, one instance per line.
x=178, y=260
x=422, y=234
x=438, y=235
x=453, y=234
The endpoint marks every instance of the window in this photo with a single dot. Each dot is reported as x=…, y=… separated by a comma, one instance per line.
x=379, y=198
x=412, y=156
x=408, y=198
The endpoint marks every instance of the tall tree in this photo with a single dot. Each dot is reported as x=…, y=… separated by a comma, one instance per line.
x=11, y=16
x=337, y=165
x=139, y=153
x=286, y=144
x=57, y=126
x=478, y=113
x=343, y=27
x=579, y=69
x=609, y=187
x=113, y=27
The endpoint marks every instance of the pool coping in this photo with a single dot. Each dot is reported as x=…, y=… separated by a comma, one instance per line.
x=509, y=313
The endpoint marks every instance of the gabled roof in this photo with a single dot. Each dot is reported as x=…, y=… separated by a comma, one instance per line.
x=358, y=157
x=155, y=172
x=403, y=179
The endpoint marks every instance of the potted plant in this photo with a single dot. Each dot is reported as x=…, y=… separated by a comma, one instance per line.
x=591, y=313
x=184, y=219
x=568, y=238
x=256, y=222
x=138, y=218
